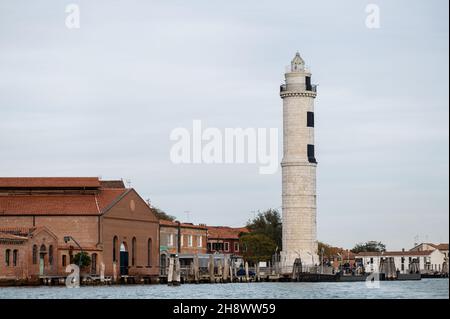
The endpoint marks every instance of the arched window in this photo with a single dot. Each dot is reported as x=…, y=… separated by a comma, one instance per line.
x=149, y=252
x=15, y=257
x=64, y=260
x=133, y=252
x=115, y=240
x=94, y=263
x=43, y=249
x=50, y=255
x=35, y=252
x=7, y=256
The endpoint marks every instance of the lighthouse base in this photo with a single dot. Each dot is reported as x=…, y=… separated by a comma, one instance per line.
x=309, y=261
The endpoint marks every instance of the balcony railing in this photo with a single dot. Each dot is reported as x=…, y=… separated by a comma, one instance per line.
x=297, y=87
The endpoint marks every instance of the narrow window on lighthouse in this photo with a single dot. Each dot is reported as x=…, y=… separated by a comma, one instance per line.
x=308, y=83
x=310, y=119
x=311, y=157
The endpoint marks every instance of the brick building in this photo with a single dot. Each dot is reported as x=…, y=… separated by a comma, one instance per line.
x=225, y=240
x=184, y=239
x=111, y=223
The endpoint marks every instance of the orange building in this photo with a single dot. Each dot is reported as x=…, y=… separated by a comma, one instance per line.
x=43, y=220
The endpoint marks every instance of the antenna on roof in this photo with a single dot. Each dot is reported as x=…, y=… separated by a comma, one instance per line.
x=188, y=219
x=128, y=182
x=416, y=240
x=148, y=202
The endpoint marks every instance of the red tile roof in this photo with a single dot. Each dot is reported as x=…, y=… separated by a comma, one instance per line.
x=440, y=246
x=60, y=204
x=112, y=184
x=18, y=231
x=224, y=232
x=9, y=236
x=169, y=223
x=48, y=182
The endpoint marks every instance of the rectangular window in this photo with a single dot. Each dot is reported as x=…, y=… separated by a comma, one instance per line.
x=308, y=83
x=200, y=241
x=170, y=240
x=236, y=247
x=310, y=119
x=227, y=246
x=15, y=257
x=182, y=241
x=311, y=156
x=190, y=241
x=7, y=254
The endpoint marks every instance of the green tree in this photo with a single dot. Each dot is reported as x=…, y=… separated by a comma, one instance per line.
x=162, y=214
x=328, y=250
x=257, y=247
x=370, y=246
x=85, y=260
x=268, y=223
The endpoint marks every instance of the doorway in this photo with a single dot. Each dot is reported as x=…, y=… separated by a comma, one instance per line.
x=123, y=259
x=42, y=253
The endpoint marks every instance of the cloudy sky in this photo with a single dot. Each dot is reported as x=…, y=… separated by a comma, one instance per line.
x=103, y=99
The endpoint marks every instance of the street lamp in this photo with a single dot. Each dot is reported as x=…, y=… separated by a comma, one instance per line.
x=69, y=238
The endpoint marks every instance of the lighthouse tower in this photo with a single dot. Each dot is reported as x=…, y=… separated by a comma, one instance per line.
x=298, y=167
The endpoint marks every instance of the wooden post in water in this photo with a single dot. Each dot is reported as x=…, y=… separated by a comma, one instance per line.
x=258, y=277
x=219, y=269
x=226, y=269
x=231, y=273
x=196, y=269
x=170, y=273
x=114, y=272
x=211, y=269
x=177, y=281
x=246, y=272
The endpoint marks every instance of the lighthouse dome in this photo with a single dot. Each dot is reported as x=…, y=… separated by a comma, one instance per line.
x=297, y=64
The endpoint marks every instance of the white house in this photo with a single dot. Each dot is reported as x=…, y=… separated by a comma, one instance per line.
x=443, y=247
x=429, y=260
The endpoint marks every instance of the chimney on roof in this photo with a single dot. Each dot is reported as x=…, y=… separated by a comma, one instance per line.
x=403, y=249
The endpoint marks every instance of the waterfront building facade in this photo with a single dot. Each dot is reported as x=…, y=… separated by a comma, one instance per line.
x=183, y=239
x=298, y=167
x=442, y=247
x=430, y=261
x=45, y=222
x=225, y=240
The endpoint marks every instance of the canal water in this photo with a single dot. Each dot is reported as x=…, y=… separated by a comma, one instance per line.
x=423, y=289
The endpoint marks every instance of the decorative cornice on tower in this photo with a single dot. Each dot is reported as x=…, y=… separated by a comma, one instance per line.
x=298, y=94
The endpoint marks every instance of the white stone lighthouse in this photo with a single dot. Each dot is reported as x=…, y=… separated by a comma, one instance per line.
x=298, y=167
